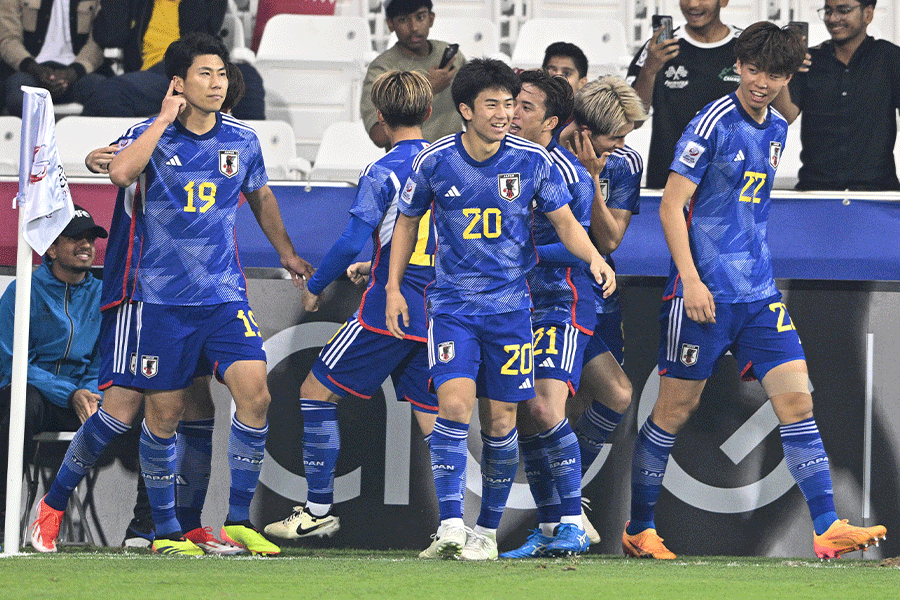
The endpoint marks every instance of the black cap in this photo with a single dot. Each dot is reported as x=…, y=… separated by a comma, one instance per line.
x=83, y=223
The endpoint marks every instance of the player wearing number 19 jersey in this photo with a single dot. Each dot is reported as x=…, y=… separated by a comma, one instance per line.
x=721, y=294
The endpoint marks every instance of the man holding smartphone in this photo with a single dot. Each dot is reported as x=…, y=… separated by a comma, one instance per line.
x=411, y=21
x=681, y=75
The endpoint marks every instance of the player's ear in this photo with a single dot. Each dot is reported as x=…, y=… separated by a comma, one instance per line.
x=179, y=85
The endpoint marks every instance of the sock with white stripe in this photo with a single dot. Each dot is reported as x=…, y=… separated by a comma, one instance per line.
x=246, y=449
x=158, y=470
x=499, y=463
x=565, y=465
x=648, y=466
x=193, y=451
x=321, y=446
x=90, y=440
x=806, y=460
x=448, y=465
x=593, y=428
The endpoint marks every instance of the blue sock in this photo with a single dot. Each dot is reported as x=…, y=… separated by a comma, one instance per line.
x=593, y=428
x=321, y=446
x=193, y=450
x=158, y=470
x=565, y=465
x=246, y=448
x=806, y=460
x=540, y=480
x=427, y=439
x=90, y=440
x=499, y=463
x=648, y=465
x=448, y=465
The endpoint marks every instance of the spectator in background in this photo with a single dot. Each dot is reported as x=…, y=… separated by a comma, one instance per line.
x=143, y=29
x=850, y=96
x=63, y=353
x=680, y=76
x=411, y=20
x=49, y=45
x=568, y=61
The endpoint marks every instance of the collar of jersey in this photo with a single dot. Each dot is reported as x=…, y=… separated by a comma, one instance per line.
x=746, y=116
x=472, y=161
x=211, y=133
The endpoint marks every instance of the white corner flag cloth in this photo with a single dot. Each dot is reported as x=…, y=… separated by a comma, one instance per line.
x=43, y=188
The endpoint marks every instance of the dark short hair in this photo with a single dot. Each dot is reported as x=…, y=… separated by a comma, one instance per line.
x=771, y=48
x=559, y=99
x=481, y=74
x=181, y=53
x=570, y=50
x=395, y=8
x=866, y=3
x=236, y=87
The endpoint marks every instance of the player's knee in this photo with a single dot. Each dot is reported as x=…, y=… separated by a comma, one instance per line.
x=619, y=398
x=543, y=413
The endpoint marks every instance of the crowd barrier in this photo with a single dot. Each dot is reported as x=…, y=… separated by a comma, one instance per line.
x=727, y=490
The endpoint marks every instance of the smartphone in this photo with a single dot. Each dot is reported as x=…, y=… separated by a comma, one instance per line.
x=449, y=52
x=803, y=28
x=664, y=21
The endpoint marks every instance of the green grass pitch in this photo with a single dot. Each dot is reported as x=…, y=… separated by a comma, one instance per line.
x=113, y=574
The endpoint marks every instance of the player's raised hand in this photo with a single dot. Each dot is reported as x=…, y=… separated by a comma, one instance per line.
x=698, y=302
x=172, y=105
x=604, y=275
x=97, y=160
x=299, y=269
x=359, y=273
x=310, y=301
x=395, y=306
x=584, y=150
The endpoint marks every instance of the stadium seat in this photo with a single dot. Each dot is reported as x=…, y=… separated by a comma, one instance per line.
x=345, y=151
x=10, y=137
x=477, y=37
x=313, y=68
x=279, y=150
x=76, y=136
x=41, y=471
x=233, y=35
x=603, y=42
x=266, y=9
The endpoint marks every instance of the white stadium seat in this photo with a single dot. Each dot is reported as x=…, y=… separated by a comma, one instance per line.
x=603, y=42
x=77, y=135
x=10, y=137
x=344, y=152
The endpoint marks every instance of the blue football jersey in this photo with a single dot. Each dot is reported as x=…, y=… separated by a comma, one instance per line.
x=190, y=194
x=621, y=183
x=563, y=294
x=122, y=251
x=482, y=215
x=732, y=159
x=376, y=203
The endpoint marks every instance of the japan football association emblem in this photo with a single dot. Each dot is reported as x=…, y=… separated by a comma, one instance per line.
x=774, y=154
x=149, y=366
x=228, y=162
x=604, y=189
x=689, y=354
x=509, y=186
x=446, y=352
x=132, y=364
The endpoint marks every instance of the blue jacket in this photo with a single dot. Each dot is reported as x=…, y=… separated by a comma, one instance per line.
x=63, y=345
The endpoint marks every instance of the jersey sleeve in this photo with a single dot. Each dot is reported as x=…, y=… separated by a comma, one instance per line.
x=637, y=62
x=417, y=193
x=693, y=153
x=373, y=195
x=582, y=199
x=625, y=186
x=551, y=193
x=256, y=176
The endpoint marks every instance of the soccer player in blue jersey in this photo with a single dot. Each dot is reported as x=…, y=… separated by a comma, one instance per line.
x=191, y=164
x=563, y=322
x=363, y=353
x=721, y=294
x=480, y=186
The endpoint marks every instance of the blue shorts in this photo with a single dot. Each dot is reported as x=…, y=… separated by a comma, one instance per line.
x=357, y=360
x=118, y=347
x=759, y=334
x=497, y=345
x=558, y=352
x=608, y=337
x=169, y=338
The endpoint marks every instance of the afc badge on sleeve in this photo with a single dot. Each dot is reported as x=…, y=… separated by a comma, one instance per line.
x=774, y=154
x=689, y=354
x=509, y=186
x=228, y=162
x=691, y=154
x=446, y=351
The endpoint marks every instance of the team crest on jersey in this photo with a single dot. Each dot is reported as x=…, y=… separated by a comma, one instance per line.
x=446, y=351
x=132, y=364
x=689, y=354
x=228, y=162
x=604, y=189
x=774, y=154
x=509, y=185
x=149, y=366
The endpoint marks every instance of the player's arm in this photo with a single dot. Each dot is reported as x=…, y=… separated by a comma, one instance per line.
x=130, y=162
x=337, y=260
x=698, y=301
x=403, y=243
x=783, y=104
x=265, y=208
x=576, y=240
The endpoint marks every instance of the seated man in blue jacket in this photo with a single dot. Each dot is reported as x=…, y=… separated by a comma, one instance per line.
x=63, y=354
